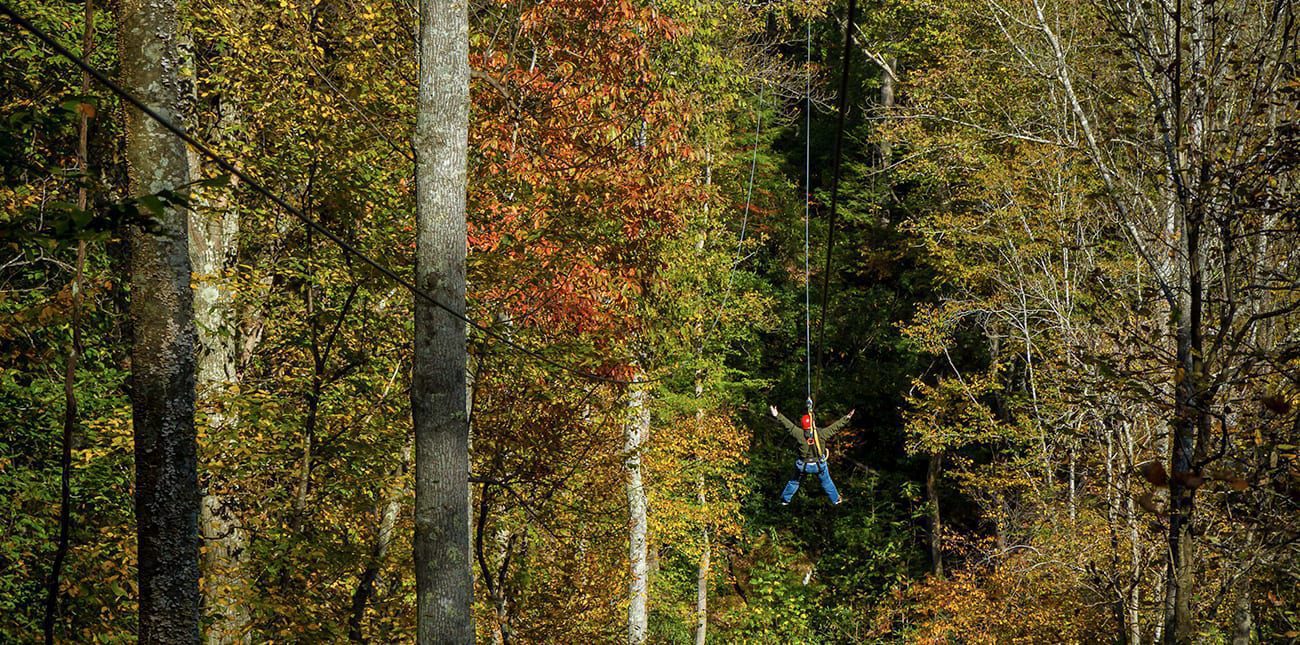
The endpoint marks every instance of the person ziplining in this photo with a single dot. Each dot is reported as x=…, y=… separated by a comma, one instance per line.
x=812, y=452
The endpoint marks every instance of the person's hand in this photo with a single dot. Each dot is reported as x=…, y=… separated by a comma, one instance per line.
x=772, y=409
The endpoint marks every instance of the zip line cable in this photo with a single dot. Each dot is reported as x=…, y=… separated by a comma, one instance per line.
x=807, y=276
x=807, y=204
x=259, y=188
x=835, y=189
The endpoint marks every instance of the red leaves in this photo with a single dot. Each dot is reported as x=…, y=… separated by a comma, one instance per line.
x=576, y=167
x=1234, y=481
x=1189, y=479
x=1276, y=403
x=1154, y=472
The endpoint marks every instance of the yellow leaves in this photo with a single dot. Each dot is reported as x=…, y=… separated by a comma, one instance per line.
x=953, y=412
x=1026, y=599
x=932, y=327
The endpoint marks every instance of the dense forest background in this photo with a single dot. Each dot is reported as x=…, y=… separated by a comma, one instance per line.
x=1063, y=299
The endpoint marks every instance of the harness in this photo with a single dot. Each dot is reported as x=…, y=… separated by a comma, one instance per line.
x=816, y=436
x=813, y=437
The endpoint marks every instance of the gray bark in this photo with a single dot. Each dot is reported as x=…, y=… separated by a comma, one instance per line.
x=702, y=579
x=635, y=431
x=1112, y=525
x=226, y=589
x=503, y=634
x=1072, y=498
x=213, y=248
x=1243, y=622
x=887, y=81
x=163, y=335
x=444, y=580
x=1135, y=551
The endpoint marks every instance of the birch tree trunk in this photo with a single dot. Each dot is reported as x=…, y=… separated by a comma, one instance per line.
x=1188, y=420
x=1135, y=549
x=635, y=430
x=444, y=580
x=214, y=249
x=887, y=82
x=702, y=579
x=162, y=350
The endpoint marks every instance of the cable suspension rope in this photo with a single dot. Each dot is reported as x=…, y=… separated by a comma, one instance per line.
x=807, y=204
x=838, y=154
x=254, y=184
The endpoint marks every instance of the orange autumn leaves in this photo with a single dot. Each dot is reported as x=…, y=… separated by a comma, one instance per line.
x=577, y=171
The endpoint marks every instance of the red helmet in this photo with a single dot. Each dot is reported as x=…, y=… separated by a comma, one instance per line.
x=806, y=422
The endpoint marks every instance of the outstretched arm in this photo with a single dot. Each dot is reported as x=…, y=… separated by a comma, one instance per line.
x=793, y=430
x=830, y=430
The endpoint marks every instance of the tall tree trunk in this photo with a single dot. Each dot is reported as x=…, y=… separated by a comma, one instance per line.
x=70, y=414
x=887, y=83
x=702, y=579
x=932, y=473
x=1190, y=425
x=214, y=250
x=1113, y=487
x=496, y=576
x=706, y=550
x=162, y=320
x=635, y=431
x=1135, y=576
x=444, y=580
x=1072, y=497
x=1243, y=623
x=1189, y=420
x=226, y=589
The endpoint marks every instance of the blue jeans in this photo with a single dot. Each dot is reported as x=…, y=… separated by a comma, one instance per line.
x=823, y=473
